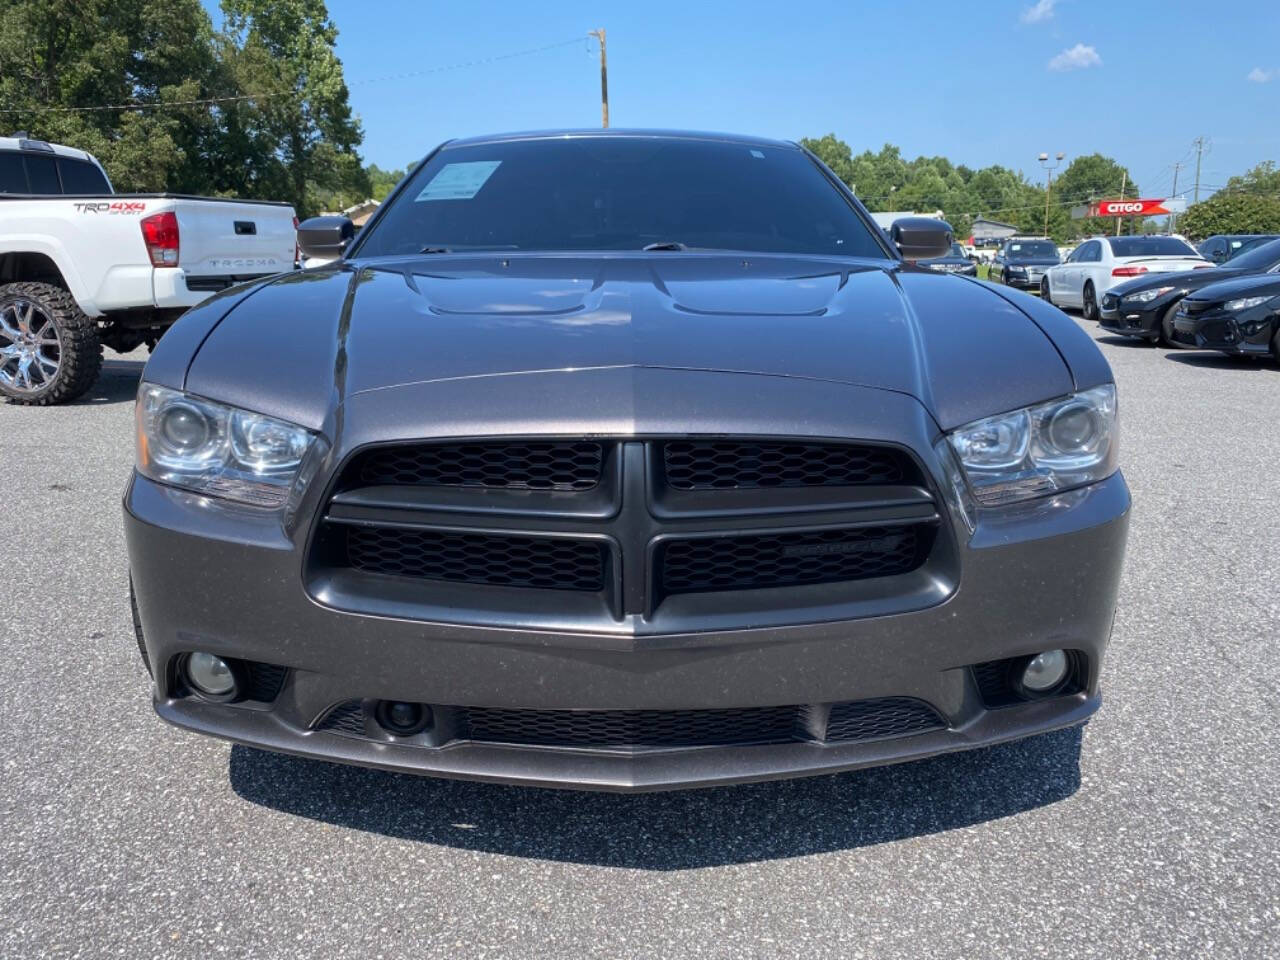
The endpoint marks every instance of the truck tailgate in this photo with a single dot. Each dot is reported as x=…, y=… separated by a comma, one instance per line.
x=230, y=238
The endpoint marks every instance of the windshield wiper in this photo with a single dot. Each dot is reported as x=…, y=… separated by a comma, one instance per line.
x=664, y=245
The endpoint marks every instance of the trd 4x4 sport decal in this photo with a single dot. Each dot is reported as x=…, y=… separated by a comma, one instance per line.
x=117, y=206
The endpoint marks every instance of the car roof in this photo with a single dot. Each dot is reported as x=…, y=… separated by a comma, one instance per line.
x=590, y=132
x=23, y=144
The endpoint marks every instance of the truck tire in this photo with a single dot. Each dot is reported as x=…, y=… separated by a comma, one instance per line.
x=49, y=349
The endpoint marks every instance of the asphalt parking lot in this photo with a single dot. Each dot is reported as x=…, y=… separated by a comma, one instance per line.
x=1154, y=832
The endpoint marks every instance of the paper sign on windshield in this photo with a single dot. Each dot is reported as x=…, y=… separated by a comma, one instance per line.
x=458, y=181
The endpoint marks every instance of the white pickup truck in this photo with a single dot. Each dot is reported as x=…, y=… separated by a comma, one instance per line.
x=82, y=267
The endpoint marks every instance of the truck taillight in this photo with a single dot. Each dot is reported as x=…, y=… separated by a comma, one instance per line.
x=160, y=233
x=1128, y=271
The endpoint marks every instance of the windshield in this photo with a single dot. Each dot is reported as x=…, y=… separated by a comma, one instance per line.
x=1150, y=247
x=1260, y=257
x=1242, y=244
x=1025, y=249
x=957, y=250
x=620, y=193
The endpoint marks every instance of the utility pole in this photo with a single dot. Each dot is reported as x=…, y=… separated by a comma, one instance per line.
x=1173, y=217
x=1124, y=182
x=604, y=78
x=1048, y=187
x=1199, y=144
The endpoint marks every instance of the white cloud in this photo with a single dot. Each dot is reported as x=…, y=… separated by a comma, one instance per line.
x=1076, y=58
x=1258, y=75
x=1040, y=10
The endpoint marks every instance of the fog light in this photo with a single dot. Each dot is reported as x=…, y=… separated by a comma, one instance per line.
x=1045, y=671
x=209, y=674
x=403, y=719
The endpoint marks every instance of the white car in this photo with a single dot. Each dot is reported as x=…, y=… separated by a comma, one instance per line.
x=83, y=267
x=1097, y=265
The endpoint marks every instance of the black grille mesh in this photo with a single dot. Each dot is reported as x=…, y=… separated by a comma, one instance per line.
x=495, y=559
x=736, y=464
x=876, y=719
x=786, y=559
x=530, y=465
x=639, y=729
x=263, y=681
x=345, y=718
x=632, y=728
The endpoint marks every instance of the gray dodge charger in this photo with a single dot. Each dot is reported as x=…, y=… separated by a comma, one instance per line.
x=625, y=461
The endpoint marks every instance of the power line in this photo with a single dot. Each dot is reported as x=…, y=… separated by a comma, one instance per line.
x=211, y=101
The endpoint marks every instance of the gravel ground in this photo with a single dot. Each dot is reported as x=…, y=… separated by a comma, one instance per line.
x=1152, y=833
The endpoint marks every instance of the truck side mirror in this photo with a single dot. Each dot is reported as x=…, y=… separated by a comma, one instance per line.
x=921, y=238
x=325, y=237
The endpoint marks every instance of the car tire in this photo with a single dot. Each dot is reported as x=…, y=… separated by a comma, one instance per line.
x=1044, y=291
x=1166, y=325
x=42, y=327
x=1090, y=301
x=1275, y=346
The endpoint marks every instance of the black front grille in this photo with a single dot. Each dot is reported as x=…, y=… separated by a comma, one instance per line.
x=263, y=681
x=632, y=728
x=788, y=559
x=876, y=719
x=573, y=465
x=555, y=563
x=1216, y=331
x=848, y=722
x=738, y=464
x=345, y=718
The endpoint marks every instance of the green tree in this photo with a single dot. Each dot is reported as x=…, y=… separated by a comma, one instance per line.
x=1239, y=207
x=299, y=126
x=1089, y=178
x=60, y=54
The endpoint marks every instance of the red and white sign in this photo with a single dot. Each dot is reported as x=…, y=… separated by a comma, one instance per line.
x=1136, y=208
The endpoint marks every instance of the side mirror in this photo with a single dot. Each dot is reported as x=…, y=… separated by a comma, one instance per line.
x=921, y=238
x=325, y=237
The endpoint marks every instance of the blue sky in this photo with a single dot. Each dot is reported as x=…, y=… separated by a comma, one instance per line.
x=976, y=82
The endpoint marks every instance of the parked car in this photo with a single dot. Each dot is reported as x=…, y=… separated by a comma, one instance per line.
x=1239, y=317
x=1145, y=307
x=576, y=470
x=955, y=261
x=1223, y=247
x=1022, y=262
x=1099, y=264
x=82, y=267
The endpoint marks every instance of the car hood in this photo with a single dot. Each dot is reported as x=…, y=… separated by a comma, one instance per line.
x=1183, y=280
x=1254, y=285
x=304, y=343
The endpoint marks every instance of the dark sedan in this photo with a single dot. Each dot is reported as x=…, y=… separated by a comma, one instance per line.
x=625, y=460
x=1145, y=308
x=1239, y=317
x=1224, y=247
x=955, y=261
x=1022, y=263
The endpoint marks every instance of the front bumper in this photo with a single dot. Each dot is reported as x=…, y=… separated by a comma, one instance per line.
x=1142, y=322
x=231, y=582
x=1247, y=333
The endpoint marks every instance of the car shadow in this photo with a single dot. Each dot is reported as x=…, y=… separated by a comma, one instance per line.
x=678, y=830
x=1209, y=360
x=117, y=382
x=1117, y=340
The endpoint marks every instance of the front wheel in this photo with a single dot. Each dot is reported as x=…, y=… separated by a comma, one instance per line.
x=1090, y=302
x=1044, y=291
x=1275, y=346
x=49, y=349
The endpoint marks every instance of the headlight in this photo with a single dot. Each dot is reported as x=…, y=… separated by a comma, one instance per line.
x=1146, y=296
x=222, y=451
x=1040, y=450
x=1245, y=303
